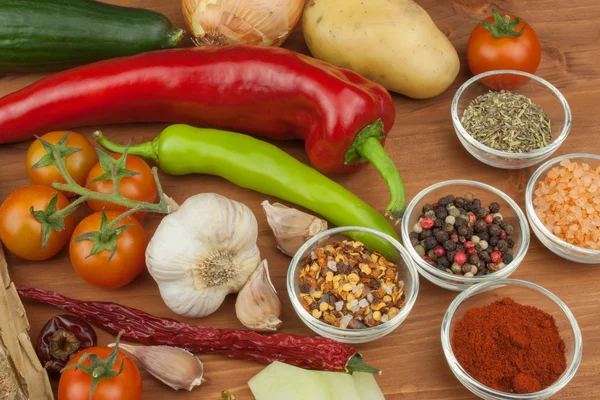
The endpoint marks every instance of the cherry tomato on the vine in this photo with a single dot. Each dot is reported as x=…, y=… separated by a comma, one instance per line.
x=76, y=384
x=22, y=233
x=79, y=156
x=503, y=42
x=102, y=269
x=137, y=182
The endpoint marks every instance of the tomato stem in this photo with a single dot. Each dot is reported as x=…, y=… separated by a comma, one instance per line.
x=503, y=26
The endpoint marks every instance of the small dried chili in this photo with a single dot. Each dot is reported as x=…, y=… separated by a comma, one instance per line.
x=510, y=347
x=136, y=325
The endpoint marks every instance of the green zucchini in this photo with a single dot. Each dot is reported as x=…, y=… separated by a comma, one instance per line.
x=58, y=34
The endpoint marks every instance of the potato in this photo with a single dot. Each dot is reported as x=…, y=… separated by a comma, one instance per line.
x=392, y=42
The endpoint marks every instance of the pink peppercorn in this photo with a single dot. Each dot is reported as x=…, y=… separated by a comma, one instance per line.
x=428, y=260
x=472, y=251
x=472, y=218
x=489, y=219
x=427, y=223
x=496, y=257
x=439, y=251
x=502, y=235
x=454, y=237
x=469, y=244
x=460, y=258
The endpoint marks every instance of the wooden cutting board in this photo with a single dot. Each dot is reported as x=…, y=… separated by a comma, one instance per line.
x=426, y=150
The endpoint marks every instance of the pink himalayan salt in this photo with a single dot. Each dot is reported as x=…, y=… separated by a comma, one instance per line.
x=567, y=201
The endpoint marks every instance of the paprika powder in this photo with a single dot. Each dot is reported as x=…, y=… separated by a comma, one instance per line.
x=510, y=347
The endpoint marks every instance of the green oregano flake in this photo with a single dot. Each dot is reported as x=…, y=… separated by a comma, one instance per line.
x=507, y=121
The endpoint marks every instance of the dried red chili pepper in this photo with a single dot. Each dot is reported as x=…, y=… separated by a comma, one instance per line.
x=136, y=325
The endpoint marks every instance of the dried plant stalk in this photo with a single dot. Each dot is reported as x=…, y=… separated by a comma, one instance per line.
x=20, y=369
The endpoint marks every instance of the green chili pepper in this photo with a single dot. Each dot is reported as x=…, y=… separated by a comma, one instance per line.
x=260, y=166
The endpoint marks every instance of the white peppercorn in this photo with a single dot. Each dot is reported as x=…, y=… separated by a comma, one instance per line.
x=417, y=228
x=484, y=245
x=450, y=219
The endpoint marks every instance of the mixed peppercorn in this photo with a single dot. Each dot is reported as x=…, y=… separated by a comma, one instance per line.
x=460, y=236
x=347, y=286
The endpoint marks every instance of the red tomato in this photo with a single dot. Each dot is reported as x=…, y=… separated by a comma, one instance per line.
x=492, y=48
x=78, y=163
x=141, y=187
x=124, y=266
x=76, y=384
x=21, y=232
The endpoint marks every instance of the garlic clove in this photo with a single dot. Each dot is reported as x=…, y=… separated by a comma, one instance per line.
x=257, y=305
x=255, y=22
x=175, y=367
x=291, y=227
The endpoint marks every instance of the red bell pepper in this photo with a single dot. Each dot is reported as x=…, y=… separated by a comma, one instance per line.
x=342, y=117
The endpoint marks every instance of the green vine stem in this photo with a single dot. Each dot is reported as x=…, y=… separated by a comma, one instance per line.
x=54, y=220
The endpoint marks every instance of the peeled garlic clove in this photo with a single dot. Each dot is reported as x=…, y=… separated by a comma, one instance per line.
x=291, y=227
x=257, y=305
x=255, y=22
x=175, y=367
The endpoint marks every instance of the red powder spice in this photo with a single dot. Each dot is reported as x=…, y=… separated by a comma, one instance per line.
x=510, y=347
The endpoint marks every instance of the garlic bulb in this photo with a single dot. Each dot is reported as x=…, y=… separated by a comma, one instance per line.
x=291, y=227
x=202, y=252
x=257, y=305
x=257, y=22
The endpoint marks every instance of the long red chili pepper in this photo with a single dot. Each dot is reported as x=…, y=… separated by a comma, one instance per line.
x=342, y=117
x=136, y=325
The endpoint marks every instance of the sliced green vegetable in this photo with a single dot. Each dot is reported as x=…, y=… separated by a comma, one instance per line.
x=367, y=386
x=341, y=385
x=281, y=381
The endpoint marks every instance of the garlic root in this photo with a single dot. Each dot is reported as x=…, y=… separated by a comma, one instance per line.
x=257, y=305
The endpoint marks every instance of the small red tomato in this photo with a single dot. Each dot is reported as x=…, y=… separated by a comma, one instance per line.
x=489, y=219
x=427, y=223
x=137, y=182
x=503, y=42
x=79, y=157
x=460, y=258
x=496, y=257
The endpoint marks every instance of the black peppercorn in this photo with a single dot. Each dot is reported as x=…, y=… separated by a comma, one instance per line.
x=469, y=233
x=509, y=230
x=449, y=245
x=474, y=259
x=462, y=230
x=476, y=205
x=481, y=212
x=484, y=256
x=443, y=262
x=435, y=231
x=494, y=240
x=451, y=255
x=494, y=207
x=444, y=201
x=481, y=226
x=442, y=236
x=441, y=213
x=494, y=230
x=461, y=210
x=438, y=223
x=498, y=221
x=413, y=235
x=448, y=228
x=459, y=202
x=461, y=221
x=484, y=235
x=507, y=258
x=427, y=207
x=503, y=225
x=480, y=272
x=502, y=246
x=510, y=243
x=414, y=241
x=425, y=234
x=430, y=243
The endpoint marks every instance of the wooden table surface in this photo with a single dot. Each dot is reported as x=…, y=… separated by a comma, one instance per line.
x=426, y=150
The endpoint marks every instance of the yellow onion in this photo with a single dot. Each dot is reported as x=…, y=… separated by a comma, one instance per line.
x=256, y=22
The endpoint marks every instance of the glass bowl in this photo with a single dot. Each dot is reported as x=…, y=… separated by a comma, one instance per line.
x=554, y=244
x=524, y=293
x=540, y=92
x=510, y=211
x=407, y=273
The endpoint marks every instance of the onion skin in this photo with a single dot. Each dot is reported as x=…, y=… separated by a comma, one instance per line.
x=254, y=22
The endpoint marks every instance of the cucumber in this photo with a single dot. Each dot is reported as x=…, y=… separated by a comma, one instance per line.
x=57, y=34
